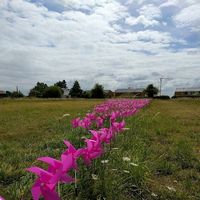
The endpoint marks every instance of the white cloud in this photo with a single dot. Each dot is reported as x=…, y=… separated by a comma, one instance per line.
x=141, y=20
x=148, y=15
x=189, y=17
x=150, y=11
x=40, y=45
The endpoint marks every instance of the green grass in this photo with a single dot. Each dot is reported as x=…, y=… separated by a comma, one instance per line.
x=162, y=143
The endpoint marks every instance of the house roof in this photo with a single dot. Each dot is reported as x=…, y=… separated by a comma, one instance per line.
x=129, y=90
x=2, y=92
x=107, y=91
x=194, y=89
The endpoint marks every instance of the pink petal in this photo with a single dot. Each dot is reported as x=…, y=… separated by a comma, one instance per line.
x=51, y=161
x=36, y=192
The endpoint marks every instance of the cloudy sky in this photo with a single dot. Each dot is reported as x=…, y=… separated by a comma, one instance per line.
x=118, y=43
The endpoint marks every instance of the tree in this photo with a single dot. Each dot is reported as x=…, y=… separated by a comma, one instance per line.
x=61, y=84
x=53, y=92
x=151, y=90
x=8, y=94
x=76, y=90
x=38, y=90
x=17, y=94
x=86, y=94
x=97, y=91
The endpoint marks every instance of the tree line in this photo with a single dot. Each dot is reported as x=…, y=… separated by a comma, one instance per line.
x=58, y=89
x=42, y=90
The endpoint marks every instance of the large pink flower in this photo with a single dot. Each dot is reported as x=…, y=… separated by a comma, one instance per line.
x=44, y=185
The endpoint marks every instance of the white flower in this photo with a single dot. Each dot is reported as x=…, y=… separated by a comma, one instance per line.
x=115, y=148
x=134, y=164
x=171, y=188
x=126, y=129
x=66, y=115
x=126, y=171
x=94, y=177
x=104, y=161
x=153, y=194
x=126, y=159
x=83, y=137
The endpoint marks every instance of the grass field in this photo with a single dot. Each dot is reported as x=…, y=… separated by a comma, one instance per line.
x=162, y=144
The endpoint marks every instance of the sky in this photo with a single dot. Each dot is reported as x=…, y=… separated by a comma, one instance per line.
x=117, y=43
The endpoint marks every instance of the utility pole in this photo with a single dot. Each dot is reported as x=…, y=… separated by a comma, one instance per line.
x=161, y=79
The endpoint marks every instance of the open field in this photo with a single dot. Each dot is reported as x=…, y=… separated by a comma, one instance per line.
x=162, y=144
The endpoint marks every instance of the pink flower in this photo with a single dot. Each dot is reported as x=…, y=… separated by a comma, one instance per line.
x=44, y=185
x=92, y=151
x=76, y=153
x=60, y=168
x=118, y=126
x=85, y=123
x=75, y=122
x=91, y=116
x=104, y=135
x=99, y=122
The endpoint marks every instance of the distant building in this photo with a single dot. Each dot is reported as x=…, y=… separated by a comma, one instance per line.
x=2, y=93
x=109, y=93
x=187, y=92
x=130, y=92
x=65, y=92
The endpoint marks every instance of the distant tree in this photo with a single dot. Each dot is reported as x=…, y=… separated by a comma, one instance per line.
x=86, y=94
x=151, y=90
x=17, y=94
x=97, y=91
x=38, y=90
x=61, y=84
x=76, y=90
x=8, y=94
x=52, y=92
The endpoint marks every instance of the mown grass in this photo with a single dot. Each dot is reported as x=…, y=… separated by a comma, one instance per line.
x=162, y=144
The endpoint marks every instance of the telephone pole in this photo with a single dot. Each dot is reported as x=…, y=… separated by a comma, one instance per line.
x=161, y=79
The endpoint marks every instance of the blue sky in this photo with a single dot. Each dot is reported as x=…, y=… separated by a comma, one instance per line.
x=118, y=43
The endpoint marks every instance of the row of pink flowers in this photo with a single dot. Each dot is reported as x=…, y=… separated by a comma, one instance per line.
x=106, y=120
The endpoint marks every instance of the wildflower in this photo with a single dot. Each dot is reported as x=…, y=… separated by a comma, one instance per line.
x=1, y=198
x=83, y=137
x=171, y=188
x=66, y=115
x=126, y=171
x=115, y=148
x=126, y=129
x=134, y=164
x=104, y=161
x=126, y=159
x=153, y=194
x=94, y=177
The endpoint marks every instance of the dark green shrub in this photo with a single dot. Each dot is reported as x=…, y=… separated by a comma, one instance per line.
x=53, y=92
x=17, y=94
x=97, y=91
